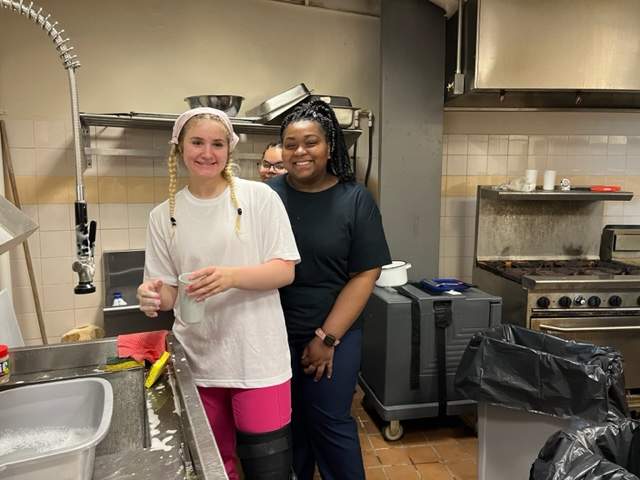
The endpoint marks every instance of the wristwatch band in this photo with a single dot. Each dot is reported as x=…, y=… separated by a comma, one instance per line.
x=328, y=339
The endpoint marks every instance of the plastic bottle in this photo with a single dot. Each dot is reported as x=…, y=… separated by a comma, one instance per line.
x=118, y=301
x=4, y=363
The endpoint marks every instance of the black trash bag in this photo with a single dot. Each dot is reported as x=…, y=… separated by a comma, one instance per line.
x=527, y=369
x=601, y=452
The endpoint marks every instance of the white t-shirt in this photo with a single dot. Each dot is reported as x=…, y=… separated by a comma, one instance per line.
x=242, y=343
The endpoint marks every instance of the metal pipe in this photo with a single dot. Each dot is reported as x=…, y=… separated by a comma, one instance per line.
x=84, y=264
x=459, y=49
x=458, y=81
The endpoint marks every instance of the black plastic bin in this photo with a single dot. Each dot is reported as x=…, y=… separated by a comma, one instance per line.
x=527, y=369
x=528, y=385
x=602, y=452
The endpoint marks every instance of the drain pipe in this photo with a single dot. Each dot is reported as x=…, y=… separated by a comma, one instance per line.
x=458, y=79
x=84, y=265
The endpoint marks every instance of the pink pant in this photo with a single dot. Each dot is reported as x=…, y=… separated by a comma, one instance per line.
x=250, y=410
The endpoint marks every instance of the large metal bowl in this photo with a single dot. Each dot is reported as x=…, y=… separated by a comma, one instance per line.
x=229, y=104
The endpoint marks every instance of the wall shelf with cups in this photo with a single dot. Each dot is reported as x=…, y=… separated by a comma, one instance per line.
x=578, y=193
x=164, y=121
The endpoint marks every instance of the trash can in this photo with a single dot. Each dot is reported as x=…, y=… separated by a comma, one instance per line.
x=528, y=385
x=600, y=452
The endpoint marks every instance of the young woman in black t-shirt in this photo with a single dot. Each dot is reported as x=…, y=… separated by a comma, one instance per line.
x=339, y=234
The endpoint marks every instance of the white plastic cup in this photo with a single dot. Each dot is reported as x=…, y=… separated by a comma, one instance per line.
x=190, y=311
x=531, y=176
x=549, y=180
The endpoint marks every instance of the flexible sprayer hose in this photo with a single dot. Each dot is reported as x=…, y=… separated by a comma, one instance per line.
x=70, y=62
x=35, y=14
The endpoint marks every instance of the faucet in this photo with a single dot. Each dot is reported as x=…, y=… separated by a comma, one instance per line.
x=84, y=264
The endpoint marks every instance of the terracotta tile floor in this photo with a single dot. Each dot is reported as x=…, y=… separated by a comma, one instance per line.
x=430, y=449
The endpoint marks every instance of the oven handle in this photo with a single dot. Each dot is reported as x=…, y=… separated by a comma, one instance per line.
x=587, y=329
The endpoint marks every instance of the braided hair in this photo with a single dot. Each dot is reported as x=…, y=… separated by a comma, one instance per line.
x=339, y=163
x=175, y=154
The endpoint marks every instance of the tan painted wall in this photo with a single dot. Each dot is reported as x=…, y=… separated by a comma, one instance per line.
x=147, y=55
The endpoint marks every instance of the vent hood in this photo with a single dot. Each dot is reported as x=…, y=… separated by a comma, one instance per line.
x=546, y=53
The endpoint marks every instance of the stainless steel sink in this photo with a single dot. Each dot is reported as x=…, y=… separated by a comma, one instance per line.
x=160, y=432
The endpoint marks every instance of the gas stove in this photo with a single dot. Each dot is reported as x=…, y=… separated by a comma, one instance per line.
x=558, y=271
x=564, y=284
x=515, y=270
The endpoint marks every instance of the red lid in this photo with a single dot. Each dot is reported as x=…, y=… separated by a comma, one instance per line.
x=606, y=188
x=4, y=349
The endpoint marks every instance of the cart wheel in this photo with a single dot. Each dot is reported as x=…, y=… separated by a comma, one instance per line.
x=393, y=431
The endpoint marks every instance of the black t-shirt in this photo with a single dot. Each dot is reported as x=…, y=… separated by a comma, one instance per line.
x=338, y=232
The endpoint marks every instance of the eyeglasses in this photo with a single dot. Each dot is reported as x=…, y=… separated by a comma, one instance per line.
x=278, y=167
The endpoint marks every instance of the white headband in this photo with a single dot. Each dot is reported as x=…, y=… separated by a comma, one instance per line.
x=219, y=114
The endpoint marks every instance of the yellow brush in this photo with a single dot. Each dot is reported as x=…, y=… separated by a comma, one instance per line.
x=156, y=369
x=122, y=365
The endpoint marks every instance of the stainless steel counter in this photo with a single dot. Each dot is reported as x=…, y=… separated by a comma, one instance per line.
x=155, y=433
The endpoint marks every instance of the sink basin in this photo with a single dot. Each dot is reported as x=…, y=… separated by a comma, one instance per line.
x=50, y=430
x=160, y=432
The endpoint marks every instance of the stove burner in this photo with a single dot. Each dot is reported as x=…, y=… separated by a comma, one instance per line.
x=515, y=270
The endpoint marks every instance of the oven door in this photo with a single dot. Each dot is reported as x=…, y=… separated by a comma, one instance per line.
x=620, y=331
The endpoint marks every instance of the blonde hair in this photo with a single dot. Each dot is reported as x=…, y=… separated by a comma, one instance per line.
x=227, y=173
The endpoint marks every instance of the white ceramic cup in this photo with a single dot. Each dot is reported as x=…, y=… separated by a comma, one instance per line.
x=531, y=176
x=190, y=310
x=549, y=180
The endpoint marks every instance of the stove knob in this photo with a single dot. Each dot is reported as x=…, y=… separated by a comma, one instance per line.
x=615, y=301
x=564, y=302
x=580, y=300
x=594, y=301
x=544, y=302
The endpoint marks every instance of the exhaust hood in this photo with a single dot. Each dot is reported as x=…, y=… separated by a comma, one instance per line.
x=547, y=53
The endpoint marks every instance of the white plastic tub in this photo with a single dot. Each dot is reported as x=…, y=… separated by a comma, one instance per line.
x=49, y=431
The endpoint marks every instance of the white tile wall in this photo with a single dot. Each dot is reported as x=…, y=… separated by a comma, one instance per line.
x=54, y=217
x=57, y=271
x=114, y=215
x=54, y=162
x=116, y=239
x=140, y=167
x=52, y=134
x=57, y=244
x=111, y=166
x=608, y=158
x=21, y=133
x=20, y=273
x=138, y=214
x=137, y=237
x=498, y=145
x=23, y=160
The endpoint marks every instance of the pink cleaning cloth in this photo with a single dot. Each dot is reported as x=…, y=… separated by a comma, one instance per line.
x=142, y=346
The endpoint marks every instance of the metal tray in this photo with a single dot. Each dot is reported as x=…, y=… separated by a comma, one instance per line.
x=345, y=115
x=280, y=102
x=15, y=225
x=333, y=100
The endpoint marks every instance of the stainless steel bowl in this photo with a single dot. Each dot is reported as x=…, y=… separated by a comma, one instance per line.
x=229, y=104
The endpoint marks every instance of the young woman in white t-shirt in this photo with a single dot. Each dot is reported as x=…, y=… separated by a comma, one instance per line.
x=234, y=236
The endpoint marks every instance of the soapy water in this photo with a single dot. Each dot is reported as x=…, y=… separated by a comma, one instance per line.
x=41, y=440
